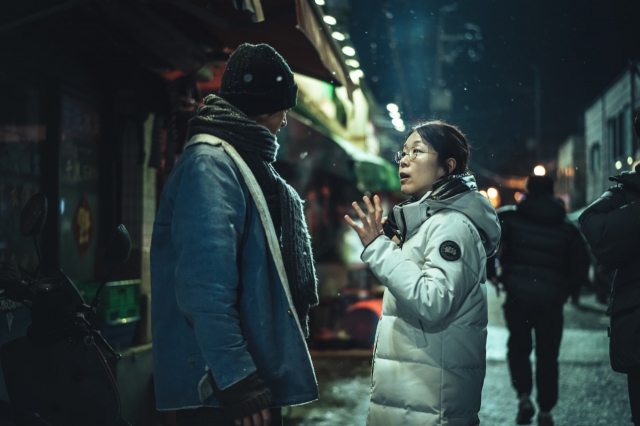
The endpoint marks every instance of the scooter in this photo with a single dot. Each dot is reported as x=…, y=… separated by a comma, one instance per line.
x=57, y=374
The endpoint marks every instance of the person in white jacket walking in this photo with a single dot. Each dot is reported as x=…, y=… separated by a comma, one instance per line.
x=429, y=355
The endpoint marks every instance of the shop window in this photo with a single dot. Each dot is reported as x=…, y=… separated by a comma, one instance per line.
x=620, y=134
x=22, y=134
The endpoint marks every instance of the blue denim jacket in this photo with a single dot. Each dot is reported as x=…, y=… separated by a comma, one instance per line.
x=210, y=307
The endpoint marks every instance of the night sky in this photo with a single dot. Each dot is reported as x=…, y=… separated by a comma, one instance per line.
x=579, y=47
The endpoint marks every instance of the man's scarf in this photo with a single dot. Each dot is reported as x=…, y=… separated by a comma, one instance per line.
x=258, y=148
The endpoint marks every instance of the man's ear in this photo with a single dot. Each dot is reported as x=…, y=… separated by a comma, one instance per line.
x=451, y=164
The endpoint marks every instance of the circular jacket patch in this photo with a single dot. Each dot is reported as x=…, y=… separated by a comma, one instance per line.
x=450, y=251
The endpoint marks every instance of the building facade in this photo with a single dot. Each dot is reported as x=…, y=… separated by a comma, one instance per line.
x=610, y=144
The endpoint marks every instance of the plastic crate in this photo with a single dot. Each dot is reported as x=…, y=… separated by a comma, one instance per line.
x=119, y=300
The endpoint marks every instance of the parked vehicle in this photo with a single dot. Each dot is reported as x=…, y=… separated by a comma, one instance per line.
x=57, y=374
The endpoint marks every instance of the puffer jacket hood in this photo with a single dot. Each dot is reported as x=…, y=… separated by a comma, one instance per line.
x=457, y=192
x=543, y=210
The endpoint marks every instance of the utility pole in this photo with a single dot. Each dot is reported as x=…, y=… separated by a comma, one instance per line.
x=537, y=100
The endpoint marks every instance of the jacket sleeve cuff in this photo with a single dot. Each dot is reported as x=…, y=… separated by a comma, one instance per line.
x=372, y=243
x=241, y=399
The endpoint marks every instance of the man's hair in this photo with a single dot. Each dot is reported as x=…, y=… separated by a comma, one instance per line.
x=538, y=185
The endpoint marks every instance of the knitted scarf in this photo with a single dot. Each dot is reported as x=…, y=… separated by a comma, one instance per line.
x=258, y=148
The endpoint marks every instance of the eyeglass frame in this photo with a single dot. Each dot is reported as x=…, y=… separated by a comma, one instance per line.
x=412, y=156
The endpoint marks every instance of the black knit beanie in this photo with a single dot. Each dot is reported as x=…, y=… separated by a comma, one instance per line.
x=257, y=81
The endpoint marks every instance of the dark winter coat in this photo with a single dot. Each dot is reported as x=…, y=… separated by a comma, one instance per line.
x=544, y=257
x=612, y=227
x=221, y=299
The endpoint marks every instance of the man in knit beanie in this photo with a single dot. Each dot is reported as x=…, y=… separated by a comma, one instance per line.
x=232, y=269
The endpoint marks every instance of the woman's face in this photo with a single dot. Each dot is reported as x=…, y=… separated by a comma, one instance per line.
x=418, y=176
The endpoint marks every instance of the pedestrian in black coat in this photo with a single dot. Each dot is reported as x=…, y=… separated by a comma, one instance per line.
x=612, y=227
x=544, y=259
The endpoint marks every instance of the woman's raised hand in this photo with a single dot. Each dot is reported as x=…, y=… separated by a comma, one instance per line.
x=372, y=226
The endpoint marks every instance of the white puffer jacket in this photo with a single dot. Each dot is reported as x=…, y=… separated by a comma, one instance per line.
x=429, y=358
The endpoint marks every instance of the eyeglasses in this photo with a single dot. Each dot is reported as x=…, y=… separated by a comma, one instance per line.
x=412, y=156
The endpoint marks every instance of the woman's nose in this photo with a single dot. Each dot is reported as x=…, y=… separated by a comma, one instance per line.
x=404, y=161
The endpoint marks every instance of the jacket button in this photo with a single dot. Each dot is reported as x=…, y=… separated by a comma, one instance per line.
x=290, y=313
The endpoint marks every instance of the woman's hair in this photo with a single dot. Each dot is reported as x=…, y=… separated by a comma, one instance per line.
x=449, y=142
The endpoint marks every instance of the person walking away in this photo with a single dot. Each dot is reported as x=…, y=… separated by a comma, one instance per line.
x=544, y=259
x=232, y=270
x=611, y=225
x=430, y=349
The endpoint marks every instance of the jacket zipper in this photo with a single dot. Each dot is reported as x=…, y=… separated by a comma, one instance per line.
x=404, y=228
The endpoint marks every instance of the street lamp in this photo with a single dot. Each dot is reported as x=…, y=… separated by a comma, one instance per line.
x=492, y=192
x=539, y=170
x=392, y=108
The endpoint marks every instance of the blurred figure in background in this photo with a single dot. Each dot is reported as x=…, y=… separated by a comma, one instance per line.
x=544, y=259
x=612, y=227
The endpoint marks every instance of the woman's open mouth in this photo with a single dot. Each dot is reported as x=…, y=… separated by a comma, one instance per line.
x=403, y=177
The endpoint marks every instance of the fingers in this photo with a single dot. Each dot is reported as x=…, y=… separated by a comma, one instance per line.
x=378, y=216
x=352, y=224
x=361, y=215
x=261, y=418
x=266, y=417
x=375, y=212
x=257, y=419
x=370, y=209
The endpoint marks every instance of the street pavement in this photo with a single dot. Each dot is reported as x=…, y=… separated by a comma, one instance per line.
x=591, y=394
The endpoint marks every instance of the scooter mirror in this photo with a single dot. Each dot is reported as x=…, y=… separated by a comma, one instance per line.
x=119, y=247
x=33, y=215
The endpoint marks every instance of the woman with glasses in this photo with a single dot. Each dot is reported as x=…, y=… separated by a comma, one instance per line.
x=430, y=253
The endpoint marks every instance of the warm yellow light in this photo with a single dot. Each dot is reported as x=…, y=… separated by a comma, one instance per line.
x=483, y=192
x=352, y=63
x=357, y=73
x=401, y=128
x=392, y=108
x=348, y=50
x=618, y=165
x=517, y=195
x=629, y=160
x=330, y=20
x=338, y=36
x=394, y=114
x=492, y=193
x=397, y=122
x=539, y=171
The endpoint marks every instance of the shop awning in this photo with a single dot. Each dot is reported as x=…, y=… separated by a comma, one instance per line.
x=295, y=28
x=186, y=34
x=309, y=144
